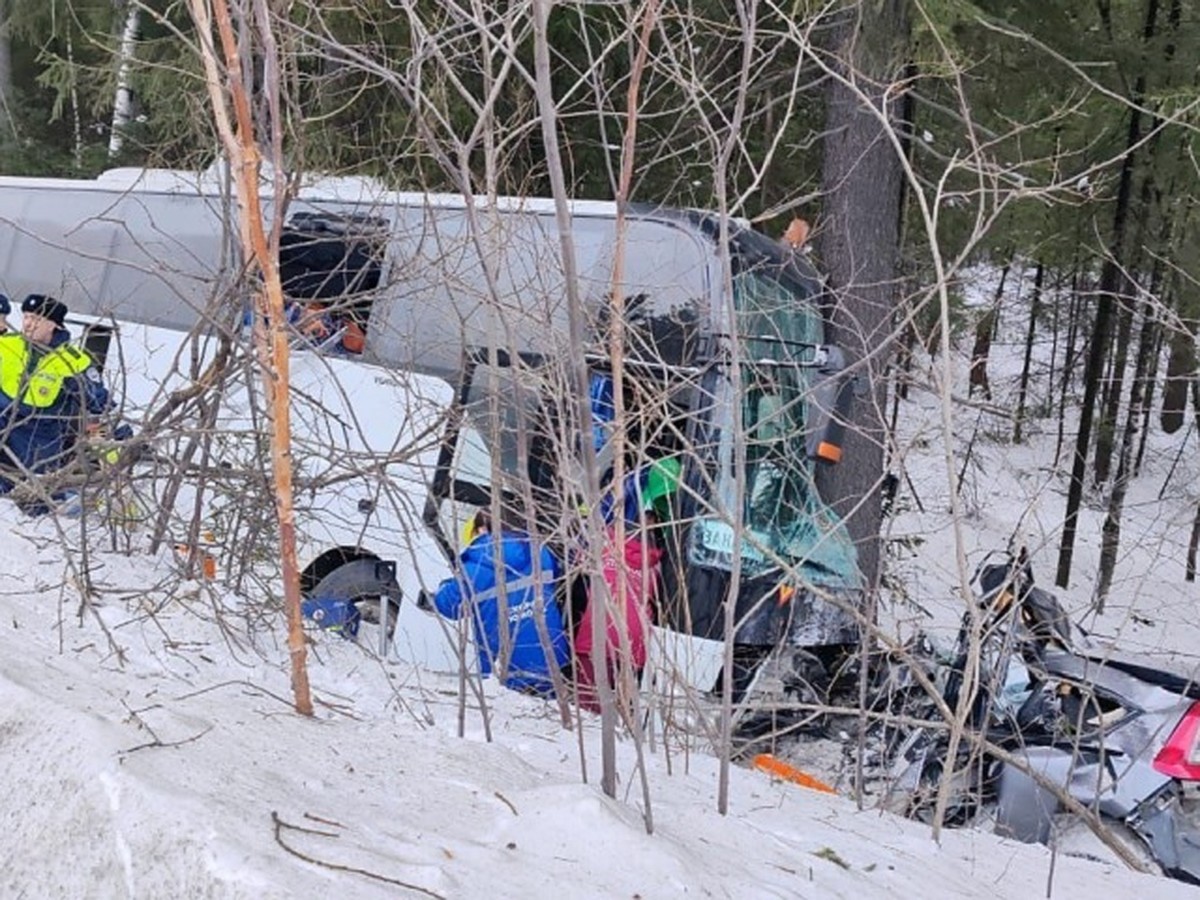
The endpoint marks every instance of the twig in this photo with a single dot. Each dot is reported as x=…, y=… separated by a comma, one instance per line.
x=157, y=743
x=342, y=709
x=506, y=802
x=338, y=867
x=323, y=821
x=240, y=682
x=280, y=824
x=1182, y=444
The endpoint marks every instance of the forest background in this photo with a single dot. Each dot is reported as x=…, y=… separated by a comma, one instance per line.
x=915, y=137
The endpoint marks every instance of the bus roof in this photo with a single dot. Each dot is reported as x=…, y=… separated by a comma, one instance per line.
x=318, y=188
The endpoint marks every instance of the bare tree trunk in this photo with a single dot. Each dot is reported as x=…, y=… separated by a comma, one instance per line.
x=1114, y=384
x=1110, y=539
x=858, y=240
x=548, y=115
x=1056, y=296
x=1112, y=282
x=1193, y=545
x=1181, y=368
x=76, y=120
x=904, y=367
x=238, y=140
x=8, y=125
x=985, y=332
x=1101, y=334
x=748, y=23
x=1181, y=356
x=123, y=103
x=1151, y=348
x=616, y=350
x=1035, y=310
x=1154, y=352
x=1101, y=331
x=1066, y=379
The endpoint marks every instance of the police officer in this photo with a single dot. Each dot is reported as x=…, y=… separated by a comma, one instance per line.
x=46, y=387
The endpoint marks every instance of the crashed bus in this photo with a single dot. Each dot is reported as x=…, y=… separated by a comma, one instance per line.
x=458, y=389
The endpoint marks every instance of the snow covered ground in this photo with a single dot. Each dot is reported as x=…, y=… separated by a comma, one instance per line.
x=150, y=750
x=1016, y=494
x=149, y=753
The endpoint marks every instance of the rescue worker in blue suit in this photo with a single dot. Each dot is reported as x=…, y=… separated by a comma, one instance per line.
x=533, y=653
x=47, y=386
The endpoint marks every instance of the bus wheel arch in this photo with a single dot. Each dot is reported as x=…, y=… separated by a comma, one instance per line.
x=357, y=575
x=326, y=562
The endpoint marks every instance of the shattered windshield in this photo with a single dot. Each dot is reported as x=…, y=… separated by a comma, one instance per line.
x=783, y=516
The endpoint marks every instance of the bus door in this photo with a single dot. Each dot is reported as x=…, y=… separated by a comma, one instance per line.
x=512, y=438
x=513, y=432
x=501, y=443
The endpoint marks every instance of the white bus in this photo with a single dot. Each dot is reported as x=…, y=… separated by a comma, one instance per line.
x=457, y=393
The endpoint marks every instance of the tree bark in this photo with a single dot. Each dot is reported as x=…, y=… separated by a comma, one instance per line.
x=1110, y=535
x=985, y=332
x=1148, y=405
x=1193, y=544
x=8, y=128
x=1066, y=379
x=1151, y=349
x=1181, y=343
x=858, y=241
x=238, y=140
x=1181, y=366
x=123, y=102
x=1111, y=281
x=1035, y=310
x=577, y=368
x=1114, y=385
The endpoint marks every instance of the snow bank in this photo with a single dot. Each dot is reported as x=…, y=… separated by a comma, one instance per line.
x=150, y=753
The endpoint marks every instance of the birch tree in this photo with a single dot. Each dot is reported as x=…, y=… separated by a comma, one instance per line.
x=123, y=102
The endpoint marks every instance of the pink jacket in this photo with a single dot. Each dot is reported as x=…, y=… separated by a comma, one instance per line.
x=641, y=589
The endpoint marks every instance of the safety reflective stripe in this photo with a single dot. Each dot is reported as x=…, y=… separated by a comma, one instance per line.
x=45, y=382
x=510, y=588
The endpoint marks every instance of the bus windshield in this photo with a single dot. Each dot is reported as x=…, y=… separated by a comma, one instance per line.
x=783, y=516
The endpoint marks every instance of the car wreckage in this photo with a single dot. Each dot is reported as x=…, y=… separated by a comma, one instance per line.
x=1066, y=742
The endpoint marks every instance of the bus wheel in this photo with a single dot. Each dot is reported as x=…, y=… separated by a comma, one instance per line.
x=359, y=578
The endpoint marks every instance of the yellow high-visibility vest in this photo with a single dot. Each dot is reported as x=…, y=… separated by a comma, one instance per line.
x=44, y=384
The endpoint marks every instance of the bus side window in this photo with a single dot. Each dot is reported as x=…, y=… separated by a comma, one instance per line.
x=331, y=264
x=96, y=339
